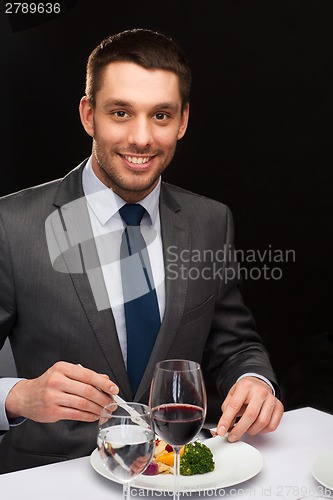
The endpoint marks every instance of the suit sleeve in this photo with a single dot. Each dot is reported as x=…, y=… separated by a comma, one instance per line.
x=234, y=347
x=7, y=289
x=7, y=316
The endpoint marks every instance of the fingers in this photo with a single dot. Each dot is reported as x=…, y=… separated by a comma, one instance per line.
x=84, y=392
x=72, y=407
x=65, y=391
x=82, y=397
x=256, y=417
x=274, y=421
x=252, y=400
x=89, y=377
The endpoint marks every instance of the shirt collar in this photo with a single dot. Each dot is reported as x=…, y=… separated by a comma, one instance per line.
x=105, y=203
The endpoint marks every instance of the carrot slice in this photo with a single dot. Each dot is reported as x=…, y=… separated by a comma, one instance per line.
x=167, y=458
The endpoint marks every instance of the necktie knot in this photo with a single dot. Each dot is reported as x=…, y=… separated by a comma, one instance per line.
x=132, y=214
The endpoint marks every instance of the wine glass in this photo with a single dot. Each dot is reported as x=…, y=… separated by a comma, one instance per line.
x=178, y=403
x=126, y=441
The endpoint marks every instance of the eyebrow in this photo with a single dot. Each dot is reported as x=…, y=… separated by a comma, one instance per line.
x=109, y=103
x=167, y=105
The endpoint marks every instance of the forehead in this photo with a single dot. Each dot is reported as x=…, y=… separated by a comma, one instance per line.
x=130, y=82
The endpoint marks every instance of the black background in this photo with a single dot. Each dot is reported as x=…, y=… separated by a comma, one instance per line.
x=259, y=139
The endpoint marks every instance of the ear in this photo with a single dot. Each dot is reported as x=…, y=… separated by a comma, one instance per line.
x=184, y=122
x=87, y=115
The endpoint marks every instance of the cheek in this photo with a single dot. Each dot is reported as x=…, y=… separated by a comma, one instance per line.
x=167, y=139
x=108, y=134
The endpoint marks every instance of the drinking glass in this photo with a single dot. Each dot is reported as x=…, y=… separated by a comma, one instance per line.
x=126, y=441
x=178, y=403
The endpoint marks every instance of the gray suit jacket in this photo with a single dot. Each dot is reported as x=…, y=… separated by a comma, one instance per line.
x=51, y=316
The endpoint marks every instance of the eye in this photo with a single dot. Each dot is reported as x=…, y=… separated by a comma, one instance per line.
x=161, y=116
x=120, y=114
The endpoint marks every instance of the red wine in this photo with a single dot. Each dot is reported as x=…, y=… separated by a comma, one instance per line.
x=178, y=423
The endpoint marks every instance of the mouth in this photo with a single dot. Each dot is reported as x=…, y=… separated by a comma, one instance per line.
x=138, y=163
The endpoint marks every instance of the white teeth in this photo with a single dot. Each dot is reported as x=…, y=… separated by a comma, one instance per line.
x=135, y=160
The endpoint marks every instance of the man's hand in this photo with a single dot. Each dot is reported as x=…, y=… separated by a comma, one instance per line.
x=64, y=392
x=251, y=399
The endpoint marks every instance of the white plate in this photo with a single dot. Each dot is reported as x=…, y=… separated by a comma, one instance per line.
x=322, y=469
x=234, y=463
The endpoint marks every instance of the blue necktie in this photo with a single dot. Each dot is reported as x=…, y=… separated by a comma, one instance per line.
x=140, y=300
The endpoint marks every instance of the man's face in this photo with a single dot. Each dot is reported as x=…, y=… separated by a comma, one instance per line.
x=135, y=125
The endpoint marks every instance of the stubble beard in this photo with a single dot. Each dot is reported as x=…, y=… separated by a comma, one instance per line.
x=119, y=183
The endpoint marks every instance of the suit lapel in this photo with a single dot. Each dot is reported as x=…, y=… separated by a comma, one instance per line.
x=175, y=238
x=74, y=218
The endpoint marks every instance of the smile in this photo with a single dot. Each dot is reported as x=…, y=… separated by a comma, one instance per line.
x=137, y=160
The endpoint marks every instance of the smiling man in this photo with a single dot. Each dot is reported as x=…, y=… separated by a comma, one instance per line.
x=135, y=120
x=94, y=289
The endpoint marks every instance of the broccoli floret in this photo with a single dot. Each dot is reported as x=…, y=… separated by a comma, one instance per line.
x=197, y=459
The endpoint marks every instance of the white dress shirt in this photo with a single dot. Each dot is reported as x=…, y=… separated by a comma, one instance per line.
x=103, y=206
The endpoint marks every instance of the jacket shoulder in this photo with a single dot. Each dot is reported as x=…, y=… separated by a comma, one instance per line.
x=188, y=200
x=42, y=194
x=31, y=196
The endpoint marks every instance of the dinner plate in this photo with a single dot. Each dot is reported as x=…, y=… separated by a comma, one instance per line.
x=322, y=469
x=234, y=464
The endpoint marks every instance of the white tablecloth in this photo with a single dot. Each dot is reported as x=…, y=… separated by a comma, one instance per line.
x=288, y=453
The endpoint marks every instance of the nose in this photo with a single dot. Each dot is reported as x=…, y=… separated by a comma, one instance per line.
x=140, y=132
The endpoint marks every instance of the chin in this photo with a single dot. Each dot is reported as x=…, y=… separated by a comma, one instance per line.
x=136, y=186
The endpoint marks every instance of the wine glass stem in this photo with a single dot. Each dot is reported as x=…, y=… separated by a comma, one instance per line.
x=126, y=491
x=176, y=472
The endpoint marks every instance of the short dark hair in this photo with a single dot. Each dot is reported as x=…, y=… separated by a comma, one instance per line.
x=150, y=49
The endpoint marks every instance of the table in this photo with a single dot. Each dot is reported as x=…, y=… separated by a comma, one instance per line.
x=288, y=454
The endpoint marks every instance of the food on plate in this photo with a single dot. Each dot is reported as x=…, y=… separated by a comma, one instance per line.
x=152, y=469
x=196, y=458
x=162, y=461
